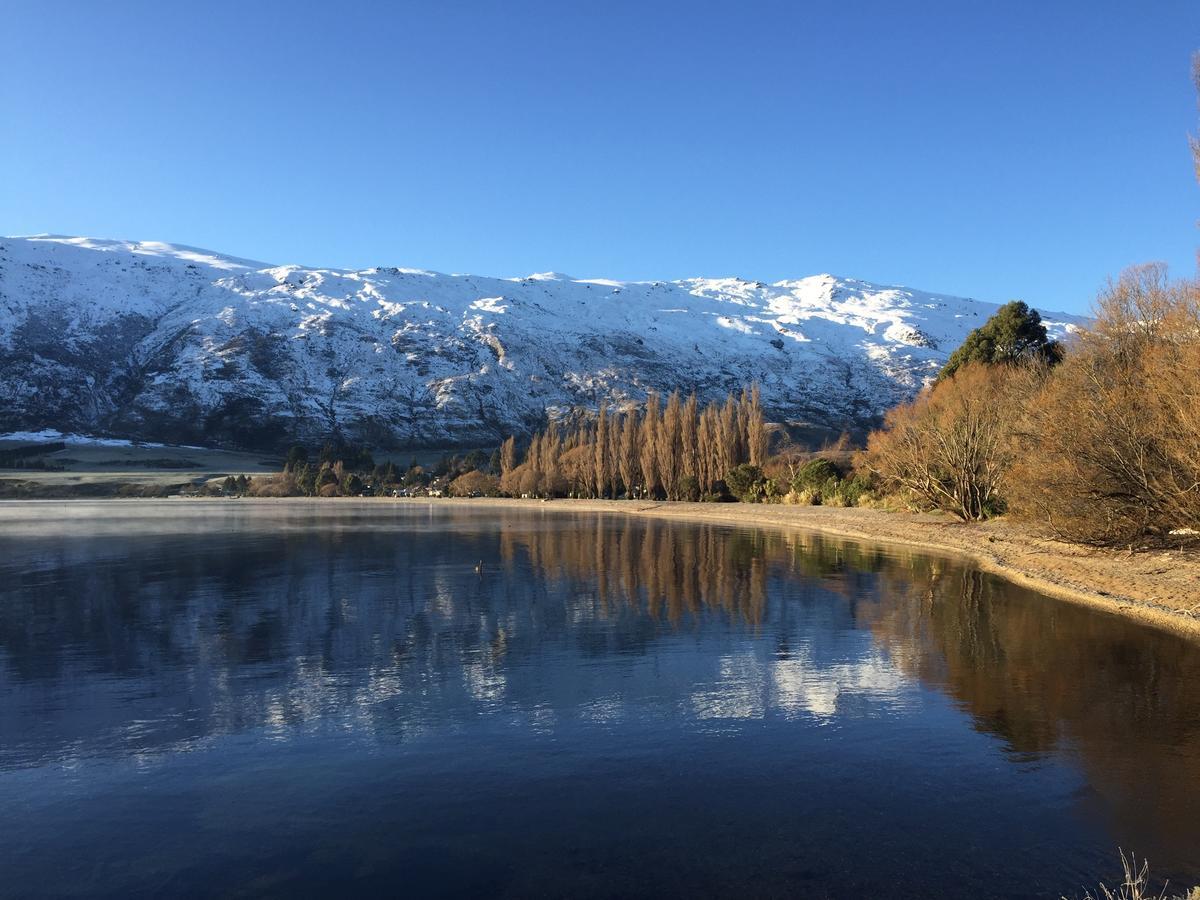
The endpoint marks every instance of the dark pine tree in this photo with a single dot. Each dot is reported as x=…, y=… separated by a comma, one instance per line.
x=1014, y=333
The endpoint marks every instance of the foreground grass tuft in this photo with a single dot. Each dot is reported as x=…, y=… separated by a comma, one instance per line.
x=1136, y=885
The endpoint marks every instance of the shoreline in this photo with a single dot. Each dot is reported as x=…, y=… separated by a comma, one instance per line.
x=1160, y=588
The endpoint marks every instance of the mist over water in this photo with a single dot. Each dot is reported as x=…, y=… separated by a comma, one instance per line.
x=306, y=698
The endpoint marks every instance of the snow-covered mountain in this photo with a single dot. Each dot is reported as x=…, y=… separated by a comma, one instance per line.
x=162, y=342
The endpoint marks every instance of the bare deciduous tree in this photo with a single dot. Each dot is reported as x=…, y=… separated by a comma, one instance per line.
x=950, y=447
x=1111, y=453
x=676, y=451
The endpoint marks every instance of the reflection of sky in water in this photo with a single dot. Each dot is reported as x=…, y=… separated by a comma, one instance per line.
x=755, y=667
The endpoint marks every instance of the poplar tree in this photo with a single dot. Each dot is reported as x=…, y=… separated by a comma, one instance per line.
x=614, y=445
x=688, y=439
x=677, y=451
x=600, y=464
x=628, y=459
x=756, y=429
x=666, y=446
x=508, y=456
x=646, y=450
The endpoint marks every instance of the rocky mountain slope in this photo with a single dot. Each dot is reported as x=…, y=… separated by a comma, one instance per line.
x=159, y=342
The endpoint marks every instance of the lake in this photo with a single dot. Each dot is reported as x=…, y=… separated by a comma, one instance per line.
x=294, y=699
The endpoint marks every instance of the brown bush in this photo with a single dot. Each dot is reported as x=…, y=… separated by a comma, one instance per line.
x=281, y=485
x=475, y=484
x=951, y=447
x=1110, y=449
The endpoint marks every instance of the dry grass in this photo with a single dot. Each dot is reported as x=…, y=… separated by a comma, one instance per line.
x=1136, y=885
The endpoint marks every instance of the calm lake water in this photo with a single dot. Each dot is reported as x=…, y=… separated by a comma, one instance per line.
x=327, y=699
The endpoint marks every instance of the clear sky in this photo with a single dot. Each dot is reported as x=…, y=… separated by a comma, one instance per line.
x=991, y=149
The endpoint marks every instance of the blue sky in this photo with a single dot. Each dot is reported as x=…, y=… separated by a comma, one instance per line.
x=993, y=150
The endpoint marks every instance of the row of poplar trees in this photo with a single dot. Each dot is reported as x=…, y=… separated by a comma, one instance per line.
x=672, y=451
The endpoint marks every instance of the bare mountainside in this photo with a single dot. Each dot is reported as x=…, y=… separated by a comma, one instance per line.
x=159, y=342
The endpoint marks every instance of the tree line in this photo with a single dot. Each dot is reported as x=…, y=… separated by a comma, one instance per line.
x=671, y=451
x=1098, y=440
x=350, y=470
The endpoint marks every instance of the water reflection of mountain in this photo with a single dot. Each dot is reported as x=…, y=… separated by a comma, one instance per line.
x=140, y=643
x=194, y=634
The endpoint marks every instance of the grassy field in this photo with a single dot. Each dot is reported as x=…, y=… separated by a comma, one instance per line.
x=84, y=465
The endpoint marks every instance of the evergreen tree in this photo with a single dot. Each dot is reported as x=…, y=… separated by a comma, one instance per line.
x=476, y=459
x=306, y=479
x=745, y=482
x=1014, y=333
x=297, y=456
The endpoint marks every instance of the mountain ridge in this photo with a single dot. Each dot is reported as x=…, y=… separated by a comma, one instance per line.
x=163, y=342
